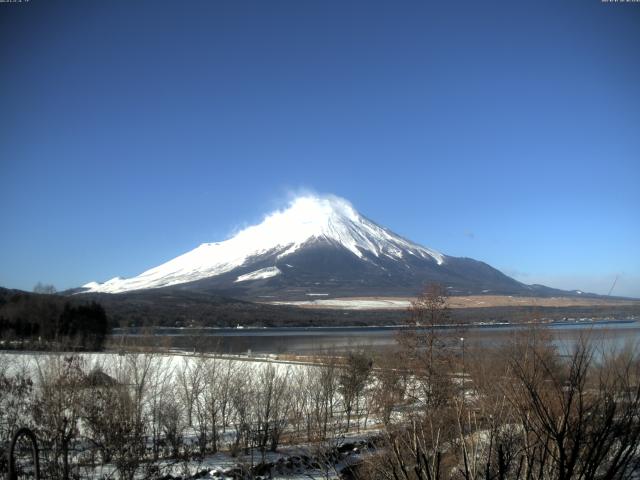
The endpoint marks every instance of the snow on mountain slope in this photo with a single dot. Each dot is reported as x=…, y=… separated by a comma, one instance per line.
x=283, y=232
x=259, y=274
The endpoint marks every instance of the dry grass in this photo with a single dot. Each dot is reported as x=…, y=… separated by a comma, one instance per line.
x=473, y=301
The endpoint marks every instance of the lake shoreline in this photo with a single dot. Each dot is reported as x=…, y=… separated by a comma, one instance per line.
x=248, y=330
x=312, y=340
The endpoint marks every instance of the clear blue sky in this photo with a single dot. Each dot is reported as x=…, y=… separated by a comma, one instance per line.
x=132, y=131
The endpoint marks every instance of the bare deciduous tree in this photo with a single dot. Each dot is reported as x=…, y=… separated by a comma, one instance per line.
x=44, y=288
x=426, y=350
x=352, y=380
x=388, y=391
x=61, y=380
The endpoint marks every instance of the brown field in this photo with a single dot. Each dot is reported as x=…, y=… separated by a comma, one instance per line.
x=509, y=301
x=473, y=301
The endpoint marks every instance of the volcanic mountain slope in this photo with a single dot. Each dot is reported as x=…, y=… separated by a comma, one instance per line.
x=319, y=246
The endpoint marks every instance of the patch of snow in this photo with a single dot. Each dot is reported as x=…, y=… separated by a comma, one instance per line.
x=350, y=304
x=259, y=274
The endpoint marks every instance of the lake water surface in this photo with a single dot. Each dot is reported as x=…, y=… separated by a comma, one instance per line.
x=613, y=334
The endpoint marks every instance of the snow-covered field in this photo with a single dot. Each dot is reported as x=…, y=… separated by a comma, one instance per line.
x=173, y=377
x=351, y=303
x=31, y=362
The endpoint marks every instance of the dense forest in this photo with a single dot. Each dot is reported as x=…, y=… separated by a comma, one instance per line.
x=48, y=321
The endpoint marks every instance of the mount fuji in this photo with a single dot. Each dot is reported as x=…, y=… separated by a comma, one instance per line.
x=318, y=246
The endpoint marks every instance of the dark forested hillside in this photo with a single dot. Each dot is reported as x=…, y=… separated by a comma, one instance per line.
x=45, y=321
x=84, y=319
x=176, y=307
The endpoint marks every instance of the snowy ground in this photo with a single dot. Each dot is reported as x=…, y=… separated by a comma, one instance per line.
x=289, y=462
x=31, y=363
x=352, y=303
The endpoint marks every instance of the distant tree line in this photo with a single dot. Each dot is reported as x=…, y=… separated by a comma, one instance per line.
x=50, y=321
x=173, y=307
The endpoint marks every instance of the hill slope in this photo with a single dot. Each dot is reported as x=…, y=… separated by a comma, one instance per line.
x=319, y=246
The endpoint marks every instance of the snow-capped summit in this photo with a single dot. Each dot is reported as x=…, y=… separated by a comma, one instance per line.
x=306, y=219
x=314, y=243
x=327, y=218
